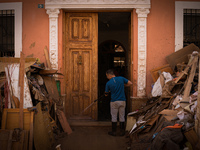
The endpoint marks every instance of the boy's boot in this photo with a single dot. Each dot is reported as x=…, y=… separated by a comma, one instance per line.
x=114, y=129
x=122, y=128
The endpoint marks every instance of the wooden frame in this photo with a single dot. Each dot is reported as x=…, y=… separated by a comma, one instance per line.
x=10, y=121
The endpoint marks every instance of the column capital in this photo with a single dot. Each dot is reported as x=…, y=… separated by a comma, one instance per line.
x=142, y=12
x=53, y=12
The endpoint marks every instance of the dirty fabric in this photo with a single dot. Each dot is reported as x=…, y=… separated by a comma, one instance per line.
x=168, y=138
x=157, y=88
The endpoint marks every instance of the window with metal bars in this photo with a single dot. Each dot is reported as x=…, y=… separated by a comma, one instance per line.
x=191, y=27
x=7, y=33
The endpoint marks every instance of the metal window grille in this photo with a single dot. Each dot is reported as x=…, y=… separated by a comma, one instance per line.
x=191, y=27
x=7, y=33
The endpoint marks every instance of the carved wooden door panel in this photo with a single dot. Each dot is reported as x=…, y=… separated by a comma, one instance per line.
x=81, y=64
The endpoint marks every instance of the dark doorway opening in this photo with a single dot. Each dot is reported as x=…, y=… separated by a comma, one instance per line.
x=113, y=53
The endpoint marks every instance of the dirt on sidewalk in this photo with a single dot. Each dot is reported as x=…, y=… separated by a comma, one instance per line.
x=93, y=138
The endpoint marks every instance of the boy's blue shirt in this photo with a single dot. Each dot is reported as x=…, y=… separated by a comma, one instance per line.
x=116, y=86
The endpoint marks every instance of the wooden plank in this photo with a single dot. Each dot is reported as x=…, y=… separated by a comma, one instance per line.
x=42, y=137
x=169, y=118
x=21, y=144
x=130, y=122
x=191, y=78
x=197, y=121
x=5, y=61
x=155, y=72
x=10, y=119
x=184, y=102
x=16, y=60
x=151, y=122
x=46, y=53
x=4, y=119
x=51, y=87
x=181, y=55
x=4, y=139
x=49, y=72
x=31, y=131
x=63, y=122
x=26, y=140
x=169, y=112
x=191, y=136
x=10, y=140
x=21, y=84
x=185, y=72
x=138, y=102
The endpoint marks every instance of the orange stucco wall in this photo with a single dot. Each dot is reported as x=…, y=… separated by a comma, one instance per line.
x=160, y=34
x=35, y=28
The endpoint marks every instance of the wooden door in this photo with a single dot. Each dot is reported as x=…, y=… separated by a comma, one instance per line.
x=81, y=64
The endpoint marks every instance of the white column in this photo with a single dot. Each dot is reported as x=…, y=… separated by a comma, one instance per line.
x=142, y=49
x=53, y=37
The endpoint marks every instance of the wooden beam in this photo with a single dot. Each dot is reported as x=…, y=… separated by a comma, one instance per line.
x=15, y=60
x=21, y=84
x=63, y=121
x=10, y=119
x=191, y=78
x=46, y=53
x=10, y=140
x=5, y=61
x=190, y=63
x=31, y=131
x=197, y=121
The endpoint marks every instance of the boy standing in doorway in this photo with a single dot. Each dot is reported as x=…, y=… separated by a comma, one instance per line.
x=115, y=86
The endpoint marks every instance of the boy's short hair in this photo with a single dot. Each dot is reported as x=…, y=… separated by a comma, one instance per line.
x=110, y=71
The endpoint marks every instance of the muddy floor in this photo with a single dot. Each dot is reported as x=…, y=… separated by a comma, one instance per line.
x=93, y=138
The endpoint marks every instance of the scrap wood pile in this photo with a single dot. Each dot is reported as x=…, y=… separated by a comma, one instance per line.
x=35, y=117
x=170, y=119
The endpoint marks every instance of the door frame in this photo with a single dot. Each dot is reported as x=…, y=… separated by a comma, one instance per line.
x=142, y=7
x=130, y=75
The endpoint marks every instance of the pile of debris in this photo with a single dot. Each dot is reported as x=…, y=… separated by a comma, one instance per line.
x=31, y=107
x=171, y=117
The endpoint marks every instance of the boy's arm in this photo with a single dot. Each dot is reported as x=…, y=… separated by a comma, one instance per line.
x=129, y=83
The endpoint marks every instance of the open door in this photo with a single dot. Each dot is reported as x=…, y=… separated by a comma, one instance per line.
x=114, y=52
x=81, y=64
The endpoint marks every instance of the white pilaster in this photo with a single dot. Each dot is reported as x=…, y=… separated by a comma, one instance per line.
x=142, y=50
x=53, y=37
